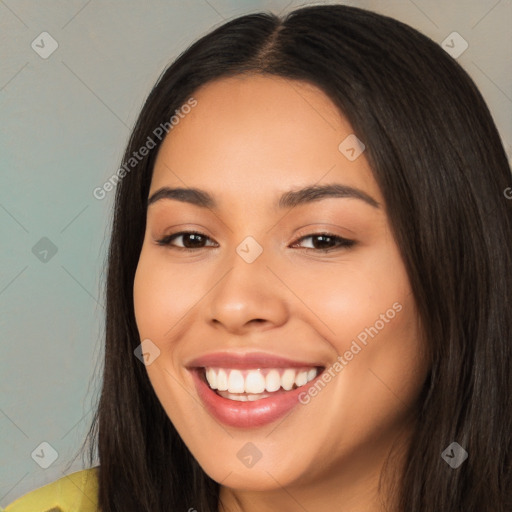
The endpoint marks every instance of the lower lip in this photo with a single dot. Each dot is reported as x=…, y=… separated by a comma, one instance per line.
x=246, y=414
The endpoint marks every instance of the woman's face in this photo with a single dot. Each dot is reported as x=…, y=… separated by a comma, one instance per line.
x=278, y=286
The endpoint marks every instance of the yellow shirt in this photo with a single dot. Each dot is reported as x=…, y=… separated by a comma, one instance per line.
x=76, y=492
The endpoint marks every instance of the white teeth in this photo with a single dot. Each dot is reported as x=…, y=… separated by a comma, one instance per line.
x=236, y=382
x=238, y=398
x=243, y=397
x=222, y=380
x=288, y=379
x=301, y=379
x=254, y=382
x=272, y=381
x=211, y=377
x=252, y=398
x=250, y=385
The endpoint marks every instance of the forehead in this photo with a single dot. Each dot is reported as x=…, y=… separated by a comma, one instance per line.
x=259, y=133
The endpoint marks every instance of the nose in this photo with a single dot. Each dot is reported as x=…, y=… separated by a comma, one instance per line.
x=247, y=297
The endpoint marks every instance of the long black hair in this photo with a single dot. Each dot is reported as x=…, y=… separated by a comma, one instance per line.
x=442, y=170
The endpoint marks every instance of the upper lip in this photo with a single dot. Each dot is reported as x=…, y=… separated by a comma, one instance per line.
x=248, y=360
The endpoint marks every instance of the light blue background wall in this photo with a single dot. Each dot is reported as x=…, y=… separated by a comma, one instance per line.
x=64, y=123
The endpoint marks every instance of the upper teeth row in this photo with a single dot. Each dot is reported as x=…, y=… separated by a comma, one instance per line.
x=258, y=381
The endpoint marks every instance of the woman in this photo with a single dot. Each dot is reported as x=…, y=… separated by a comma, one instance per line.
x=309, y=280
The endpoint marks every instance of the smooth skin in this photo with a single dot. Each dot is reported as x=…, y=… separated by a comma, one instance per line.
x=250, y=139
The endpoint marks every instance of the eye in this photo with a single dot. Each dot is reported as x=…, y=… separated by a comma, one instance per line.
x=191, y=240
x=194, y=240
x=325, y=242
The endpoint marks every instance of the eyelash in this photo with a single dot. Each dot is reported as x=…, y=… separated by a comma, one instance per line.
x=343, y=243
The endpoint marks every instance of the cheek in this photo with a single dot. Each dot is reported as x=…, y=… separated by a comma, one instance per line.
x=162, y=295
x=364, y=294
x=161, y=298
x=372, y=323
x=148, y=298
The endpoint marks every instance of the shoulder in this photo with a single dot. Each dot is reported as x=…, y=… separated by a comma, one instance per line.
x=76, y=492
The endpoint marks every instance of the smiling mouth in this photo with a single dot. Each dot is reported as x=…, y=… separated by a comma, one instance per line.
x=248, y=385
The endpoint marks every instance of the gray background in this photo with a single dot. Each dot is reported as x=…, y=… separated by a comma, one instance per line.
x=64, y=123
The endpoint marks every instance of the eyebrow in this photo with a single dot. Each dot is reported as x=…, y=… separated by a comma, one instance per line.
x=289, y=199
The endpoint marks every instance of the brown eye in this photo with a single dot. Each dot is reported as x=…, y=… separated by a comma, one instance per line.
x=190, y=240
x=326, y=242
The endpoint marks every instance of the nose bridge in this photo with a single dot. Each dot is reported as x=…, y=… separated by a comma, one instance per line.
x=248, y=290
